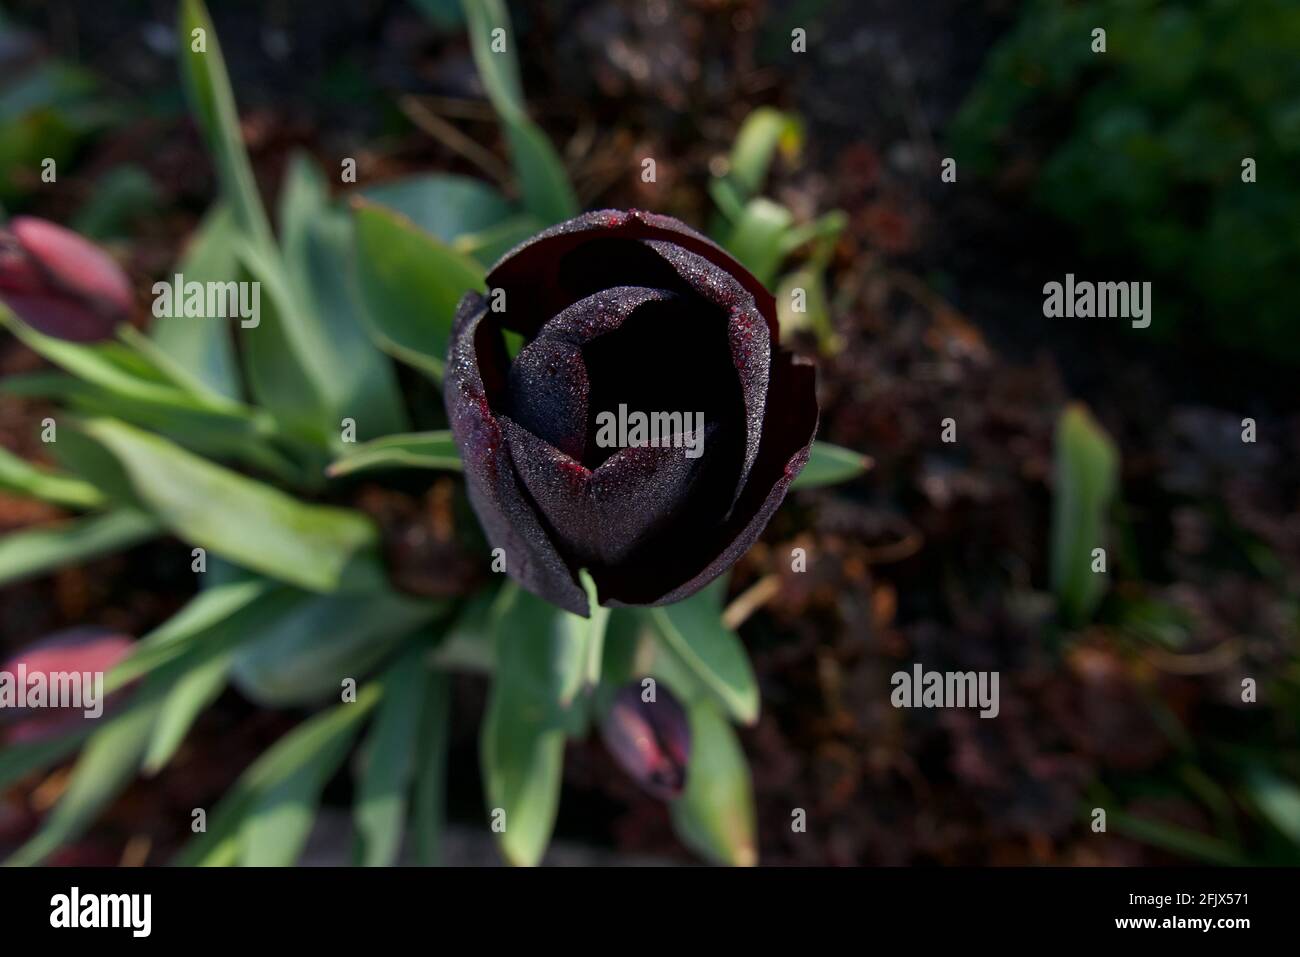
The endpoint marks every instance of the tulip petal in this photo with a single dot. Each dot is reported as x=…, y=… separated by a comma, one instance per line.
x=752, y=341
x=94, y=293
x=650, y=740
x=749, y=340
x=600, y=313
x=58, y=317
x=676, y=569
x=73, y=650
x=18, y=273
x=568, y=334
x=548, y=394
x=508, y=519
x=652, y=351
x=536, y=268
x=605, y=514
x=75, y=263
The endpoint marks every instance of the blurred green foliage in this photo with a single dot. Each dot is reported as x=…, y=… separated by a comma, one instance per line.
x=1144, y=147
x=1087, y=473
x=763, y=235
x=47, y=109
x=44, y=114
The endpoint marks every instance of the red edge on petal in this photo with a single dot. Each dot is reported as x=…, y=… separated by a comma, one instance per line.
x=603, y=515
x=789, y=431
x=508, y=518
x=638, y=224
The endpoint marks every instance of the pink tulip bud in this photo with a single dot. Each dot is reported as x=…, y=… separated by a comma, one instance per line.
x=650, y=740
x=61, y=284
x=76, y=655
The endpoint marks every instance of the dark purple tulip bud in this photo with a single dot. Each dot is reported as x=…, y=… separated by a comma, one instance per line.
x=61, y=284
x=625, y=314
x=650, y=740
x=35, y=680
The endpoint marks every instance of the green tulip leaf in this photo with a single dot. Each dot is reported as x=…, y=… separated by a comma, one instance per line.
x=194, y=691
x=356, y=379
x=204, y=347
x=522, y=737
x=47, y=485
x=429, y=792
x=203, y=71
x=106, y=765
x=829, y=465
x=545, y=185
x=764, y=132
x=34, y=551
x=411, y=284
x=389, y=761
x=418, y=450
x=318, y=547
x=305, y=653
x=693, y=632
x=1087, y=470
x=266, y=816
x=715, y=816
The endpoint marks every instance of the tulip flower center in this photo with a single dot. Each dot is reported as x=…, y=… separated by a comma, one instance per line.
x=666, y=359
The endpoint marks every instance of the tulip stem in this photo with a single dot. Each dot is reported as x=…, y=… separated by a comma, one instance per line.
x=599, y=618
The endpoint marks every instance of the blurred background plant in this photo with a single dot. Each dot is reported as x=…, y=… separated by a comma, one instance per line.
x=1144, y=158
x=820, y=170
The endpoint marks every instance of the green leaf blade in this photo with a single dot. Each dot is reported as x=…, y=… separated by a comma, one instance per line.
x=445, y=206
x=410, y=286
x=24, y=478
x=830, y=465
x=522, y=738
x=266, y=816
x=35, y=551
x=228, y=606
x=430, y=788
x=318, y=547
x=203, y=347
x=764, y=132
x=422, y=450
x=303, y=653
x=1087, y=475
x=193, y=692
x=356, y=379
x=693, y=631
x=207, y=84
x=715, y=816
x=390, y=761
x=758, y=237
x=105, y=767
x=545, y=185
